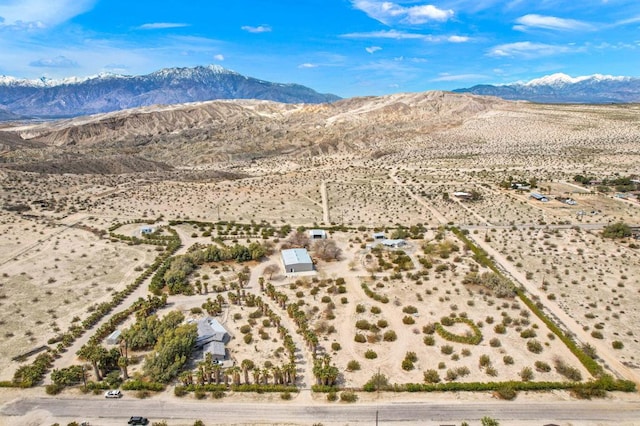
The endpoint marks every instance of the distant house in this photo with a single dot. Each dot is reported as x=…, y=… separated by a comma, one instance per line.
x=538, y=197
x=146, y=230
x=212, y=338
x=296, y=260
x=317, y=234
x=521, y=186
x=462, y=195
x=394, y=243
x=114, y=338
x=379, y=236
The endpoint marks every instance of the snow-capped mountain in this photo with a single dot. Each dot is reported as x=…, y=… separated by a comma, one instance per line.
x=105, y=92
x=561, y=88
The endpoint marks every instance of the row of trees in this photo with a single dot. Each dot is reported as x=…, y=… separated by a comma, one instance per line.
x=174, y=274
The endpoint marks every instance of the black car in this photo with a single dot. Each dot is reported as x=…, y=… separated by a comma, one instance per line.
x=137, y=420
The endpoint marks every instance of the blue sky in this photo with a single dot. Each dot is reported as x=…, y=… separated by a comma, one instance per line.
x=346, y=47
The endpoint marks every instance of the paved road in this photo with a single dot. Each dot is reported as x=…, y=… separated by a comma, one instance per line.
x=102, y=412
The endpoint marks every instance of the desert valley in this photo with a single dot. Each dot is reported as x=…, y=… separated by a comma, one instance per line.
x=462, y=247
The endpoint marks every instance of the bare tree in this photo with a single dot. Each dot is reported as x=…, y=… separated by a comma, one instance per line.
x=327, y=250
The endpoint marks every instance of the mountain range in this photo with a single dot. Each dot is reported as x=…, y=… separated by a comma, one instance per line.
x=102, y=93
x=561, y=88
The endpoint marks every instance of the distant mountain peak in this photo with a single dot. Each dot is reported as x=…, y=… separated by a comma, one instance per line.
x=108, y=92
x=562, y=88
x=563, y=79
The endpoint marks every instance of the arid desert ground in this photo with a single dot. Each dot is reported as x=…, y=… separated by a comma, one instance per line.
x=389, y=165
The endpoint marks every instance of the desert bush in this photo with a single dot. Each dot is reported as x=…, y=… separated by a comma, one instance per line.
x=495, y=343
x=353, y=365
x=508, y=360
x=617, y=344
x=429, y=340
x=526, y=374
x=446, y=349
x=370, y=354
x=389, y=336
x=431, y=376
x=348, y=396
x=567, y=371
x=534, y=346
x=408, y=320
x=360, y=338
x=542, y=367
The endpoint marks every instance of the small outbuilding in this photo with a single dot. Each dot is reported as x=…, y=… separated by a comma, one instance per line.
x=463, y=195
x=378, y=236
x=296, y=260
x=317, y=234
x=539, y=197
x=114, y=338
x=394, y=243
x=146, y=230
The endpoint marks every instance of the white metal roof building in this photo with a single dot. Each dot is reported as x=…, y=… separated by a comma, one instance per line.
x=296, y=260
x=317, y=234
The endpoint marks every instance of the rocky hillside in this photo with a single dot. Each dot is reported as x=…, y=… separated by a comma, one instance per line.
x=108, y=92
x=202, y=133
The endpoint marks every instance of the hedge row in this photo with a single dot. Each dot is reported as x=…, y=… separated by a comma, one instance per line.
x=372, y=294
x=140, y=385
x=481, y=256
x=259, y=388
x=605, y=383
x=474, y=339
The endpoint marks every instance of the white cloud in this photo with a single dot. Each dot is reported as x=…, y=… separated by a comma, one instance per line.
x=401, y=35
x=459, y=77
x=307, y=65
x=57, y=62
x=550, y=23
x=389, y=12
x=527, y=50
x=258, y=29
x=458, y=39
x=32, y=14
x=219, y=57
x=373, y=49
x=162, y=25
x=392, y=34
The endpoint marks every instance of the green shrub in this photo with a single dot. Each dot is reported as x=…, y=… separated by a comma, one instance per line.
x=285, y=396
x=336, y=346
x=53, y=389
x=506, y=392
x=179, y=391
x=200, y=394
x=431, y=376
x=429, y=340
x=407, y=365
x=534, y=346
x=446, y=349
x=332, y=396
x=389, y=336
x=348, y=396
x=617, y=344
x=495, y=343
x=542, y=367
x=526, y=374
x=360, y=338
x=353, y=365
x=508, y=360
x=370, y=354
x=408, y=320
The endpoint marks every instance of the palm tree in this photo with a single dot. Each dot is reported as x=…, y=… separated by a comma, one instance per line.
x=245, y=370
x=94, y=354
x=186, y=378
x=235, y=373
x=123, y=362
x=265, y=375
x=256, y=375
x=217, y=369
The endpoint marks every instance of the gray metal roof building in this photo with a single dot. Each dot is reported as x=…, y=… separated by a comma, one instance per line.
x=296, y=260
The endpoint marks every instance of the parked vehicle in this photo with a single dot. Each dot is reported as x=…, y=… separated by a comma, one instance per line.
x=137, y=420
x=113, y=394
